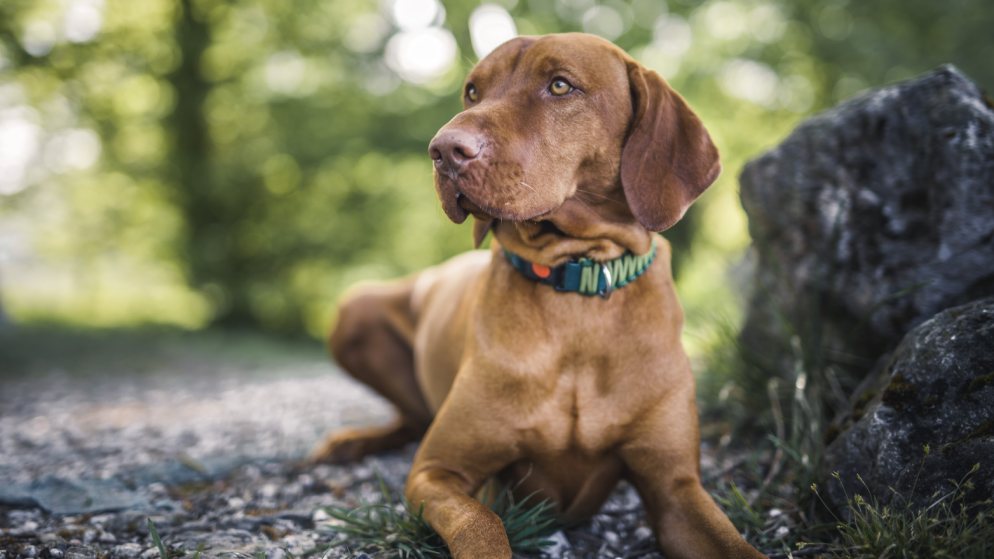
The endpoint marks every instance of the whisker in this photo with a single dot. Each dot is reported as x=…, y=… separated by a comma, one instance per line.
x=530, y=187
x=580, y=200
x=594, y=194
x=598, y=195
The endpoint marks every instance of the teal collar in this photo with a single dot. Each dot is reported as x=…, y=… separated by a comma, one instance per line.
x=586, y=276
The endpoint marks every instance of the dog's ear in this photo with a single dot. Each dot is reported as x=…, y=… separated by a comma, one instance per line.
x=668, y=158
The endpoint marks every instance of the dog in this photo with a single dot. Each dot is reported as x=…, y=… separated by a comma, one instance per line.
x=553, y=360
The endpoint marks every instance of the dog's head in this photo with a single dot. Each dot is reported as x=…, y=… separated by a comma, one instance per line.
x=548, y=117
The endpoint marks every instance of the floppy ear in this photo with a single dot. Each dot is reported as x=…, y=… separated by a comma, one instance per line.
x=668, y=158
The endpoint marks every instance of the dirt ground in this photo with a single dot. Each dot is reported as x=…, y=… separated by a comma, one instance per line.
x=199, y=433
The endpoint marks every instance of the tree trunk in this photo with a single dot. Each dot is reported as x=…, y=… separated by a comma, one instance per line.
x=210, y=215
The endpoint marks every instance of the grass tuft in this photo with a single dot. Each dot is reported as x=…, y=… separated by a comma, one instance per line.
x=154, y=534
x=948, y=526
x=393, y=528
x=164, y=553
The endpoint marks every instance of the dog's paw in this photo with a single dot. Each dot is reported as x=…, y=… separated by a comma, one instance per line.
x=343, y=447
x=351, y=445
x=481, y=538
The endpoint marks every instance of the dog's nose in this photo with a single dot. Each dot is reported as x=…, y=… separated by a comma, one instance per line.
x=454, y=148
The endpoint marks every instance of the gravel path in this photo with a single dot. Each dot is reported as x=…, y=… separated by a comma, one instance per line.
x=208, y=453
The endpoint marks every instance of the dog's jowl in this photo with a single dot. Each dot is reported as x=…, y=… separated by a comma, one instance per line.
x=552, y=360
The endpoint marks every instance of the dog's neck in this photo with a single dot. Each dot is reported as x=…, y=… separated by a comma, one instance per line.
x=600, y=229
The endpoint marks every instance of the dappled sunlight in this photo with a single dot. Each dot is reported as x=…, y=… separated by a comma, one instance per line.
x=253, y=159
x=490, y=25
x=421, y=55
x=20, y=137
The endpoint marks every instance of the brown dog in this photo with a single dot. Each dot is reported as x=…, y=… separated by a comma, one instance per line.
x=507, y=361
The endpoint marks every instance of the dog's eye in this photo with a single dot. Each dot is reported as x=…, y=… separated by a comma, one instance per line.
x=560, y=86
x=471, y=93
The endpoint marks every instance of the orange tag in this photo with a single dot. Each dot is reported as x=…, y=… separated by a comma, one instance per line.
x=541, y=271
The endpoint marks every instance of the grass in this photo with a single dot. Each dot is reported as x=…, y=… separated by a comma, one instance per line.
x=771, y=492
x=393, y=529
x=153, y=534
x=39, y=348
x=948, y=527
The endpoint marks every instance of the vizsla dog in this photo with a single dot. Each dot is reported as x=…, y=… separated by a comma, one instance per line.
x=553, y=360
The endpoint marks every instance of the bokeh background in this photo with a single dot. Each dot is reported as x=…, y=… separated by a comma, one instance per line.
x=200, y=163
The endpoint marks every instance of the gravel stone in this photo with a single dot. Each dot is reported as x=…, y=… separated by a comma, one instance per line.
x=126, y=551
x=210, y=456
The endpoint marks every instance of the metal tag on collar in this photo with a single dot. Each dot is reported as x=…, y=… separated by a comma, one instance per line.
x=608, y=282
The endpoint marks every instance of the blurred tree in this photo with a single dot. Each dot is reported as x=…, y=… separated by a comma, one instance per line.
x=242, y=162
x=196, y=193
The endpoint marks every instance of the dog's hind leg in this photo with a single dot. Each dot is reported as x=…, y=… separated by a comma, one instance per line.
x=372, y=342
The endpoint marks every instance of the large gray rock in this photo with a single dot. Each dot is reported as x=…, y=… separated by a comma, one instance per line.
x=937, y=389
x=869, y=219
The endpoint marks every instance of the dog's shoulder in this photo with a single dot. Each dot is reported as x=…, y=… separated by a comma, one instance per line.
x=450, y=277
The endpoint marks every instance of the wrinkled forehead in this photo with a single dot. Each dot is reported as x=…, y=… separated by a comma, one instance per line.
x=571, y=55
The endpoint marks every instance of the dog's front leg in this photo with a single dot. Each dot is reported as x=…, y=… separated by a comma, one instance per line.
x=466, y=444
x=663, y=459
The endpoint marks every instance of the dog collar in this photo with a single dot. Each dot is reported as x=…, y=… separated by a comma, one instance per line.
x=585, y=276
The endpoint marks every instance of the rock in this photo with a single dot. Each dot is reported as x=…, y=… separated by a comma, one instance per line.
x=869, y=219
x=65, y=496
x=80, y=552
x=559, y=546
x=937, y=389
x=126, y=551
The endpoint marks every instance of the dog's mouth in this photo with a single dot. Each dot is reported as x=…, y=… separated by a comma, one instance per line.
x=458, y=204
x=483, y=211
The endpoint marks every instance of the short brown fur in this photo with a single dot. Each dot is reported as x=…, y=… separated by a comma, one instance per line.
x=562, y=393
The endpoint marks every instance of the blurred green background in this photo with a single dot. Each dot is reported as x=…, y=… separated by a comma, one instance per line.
x=198, y=162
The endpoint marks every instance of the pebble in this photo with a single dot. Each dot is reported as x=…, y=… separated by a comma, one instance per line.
x=266, y=509
x=643, y=533
x=559, y=545
x=80, y=552
x=268, y=491
x=320, y=516
x=28, y=551
x=126, y=551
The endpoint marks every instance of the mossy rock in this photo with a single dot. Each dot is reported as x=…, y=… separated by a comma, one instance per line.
x=937, y=392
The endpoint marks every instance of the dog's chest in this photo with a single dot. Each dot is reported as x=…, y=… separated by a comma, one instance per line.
x=582, y=413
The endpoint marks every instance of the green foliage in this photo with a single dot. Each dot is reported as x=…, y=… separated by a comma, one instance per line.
x=153, y=533
x=947, y=527
x=199, y=161
x=393, y=529
x=742, y=393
